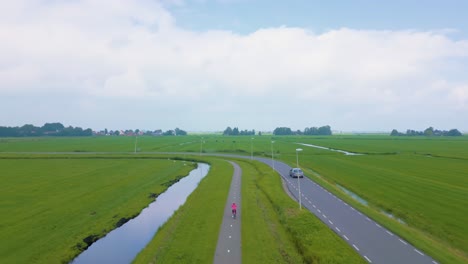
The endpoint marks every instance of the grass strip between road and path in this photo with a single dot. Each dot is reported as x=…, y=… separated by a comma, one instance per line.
x=191, y=234
x=274, y=230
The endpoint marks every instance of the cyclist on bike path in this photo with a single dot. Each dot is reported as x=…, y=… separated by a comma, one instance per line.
x=234, y=208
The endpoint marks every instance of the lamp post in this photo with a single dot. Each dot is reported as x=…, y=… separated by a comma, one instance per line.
x=298, y=182
x=251, y=148
x=272, y=158
x=136, y=139
x=201, y=146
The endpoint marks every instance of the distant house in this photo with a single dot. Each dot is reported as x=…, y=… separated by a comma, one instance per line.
x=157, y=132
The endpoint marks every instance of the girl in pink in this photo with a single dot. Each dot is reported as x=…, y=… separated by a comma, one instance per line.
x=234, y=209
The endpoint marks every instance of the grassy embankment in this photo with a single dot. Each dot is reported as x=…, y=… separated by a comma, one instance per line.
x=191, y=234
x=52, y=208
x=273, y=228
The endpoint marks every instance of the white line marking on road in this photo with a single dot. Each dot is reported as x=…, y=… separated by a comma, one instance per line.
x=229, y=236
x=346, y=237
x=368, y=219
x=434, y=262
x=390, y=233
x=330, y=222
x=356, y=247
x=359, y=213
x=378, y=225
x=310, y=202
x=314, y=206
x=419, y=252
x=403, y=242
x=231, y=225
x=337, y=229
x=352, y=208
x=368, y=259
x=229, y=250
x=319, y=210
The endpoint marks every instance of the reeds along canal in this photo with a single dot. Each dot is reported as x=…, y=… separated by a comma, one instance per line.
x=124, y=243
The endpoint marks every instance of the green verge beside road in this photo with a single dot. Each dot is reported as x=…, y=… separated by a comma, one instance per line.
x=53, y=207
x=274, y=230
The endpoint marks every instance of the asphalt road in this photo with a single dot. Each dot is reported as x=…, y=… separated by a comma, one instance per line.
x=228, y=249
x=372, y=241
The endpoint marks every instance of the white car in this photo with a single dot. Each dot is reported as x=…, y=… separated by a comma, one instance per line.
x=296, y=173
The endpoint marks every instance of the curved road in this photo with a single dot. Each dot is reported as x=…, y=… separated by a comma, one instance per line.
x=373, y=242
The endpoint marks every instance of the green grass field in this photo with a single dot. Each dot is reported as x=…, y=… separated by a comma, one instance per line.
x=455, y=147
x=49, y=206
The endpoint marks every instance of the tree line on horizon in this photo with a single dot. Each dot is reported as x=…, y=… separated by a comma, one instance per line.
x=48, y=129
x=430, y=131
x=308, y=131
x=236, y=132
x=59, y=130
x=280, y=131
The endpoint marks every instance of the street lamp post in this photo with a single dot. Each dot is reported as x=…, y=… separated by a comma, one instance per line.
x=251, y=148
x=201, y=146
x=136, y=139
x=298, y=182
x=272, y=158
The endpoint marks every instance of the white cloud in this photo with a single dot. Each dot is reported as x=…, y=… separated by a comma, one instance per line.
x=132, y=50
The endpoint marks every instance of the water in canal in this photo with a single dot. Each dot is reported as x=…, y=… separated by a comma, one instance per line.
x=124, y=243
x=336, y=150
x=353, y=195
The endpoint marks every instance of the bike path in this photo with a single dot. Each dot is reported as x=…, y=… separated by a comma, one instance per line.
x=228, y=250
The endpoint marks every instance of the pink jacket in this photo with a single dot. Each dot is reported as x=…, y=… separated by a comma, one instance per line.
x=234, y=206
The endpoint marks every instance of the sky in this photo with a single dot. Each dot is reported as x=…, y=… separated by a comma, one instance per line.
x=204, y=65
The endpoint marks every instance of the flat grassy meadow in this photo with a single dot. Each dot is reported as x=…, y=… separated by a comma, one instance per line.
x=423, y=181
x=51, y=206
